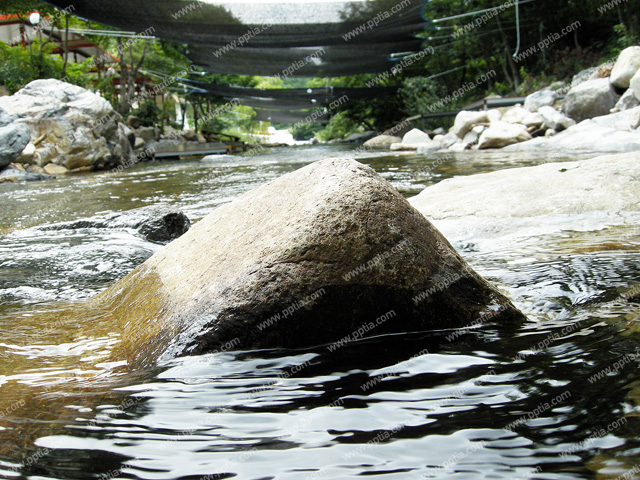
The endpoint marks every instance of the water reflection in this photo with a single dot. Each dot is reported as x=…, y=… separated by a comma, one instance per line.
x=534, y=401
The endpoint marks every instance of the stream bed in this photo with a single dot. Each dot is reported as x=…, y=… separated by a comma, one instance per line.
x=556, y=398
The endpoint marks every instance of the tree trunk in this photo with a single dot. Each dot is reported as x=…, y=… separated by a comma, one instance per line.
x=124, y=79
x=620, y=17
x=183, y=107
x=66, y=44
x=544, y=50
x=506, y=73
x=135, y=68
x=195, y=115
x=515, y=76
x=128, y=73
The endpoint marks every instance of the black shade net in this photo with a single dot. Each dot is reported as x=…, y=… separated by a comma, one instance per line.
x=290, y=105
x=308, y=96
x=327, y=61
x=275, y=104
x=293, y=116
x=269, y=38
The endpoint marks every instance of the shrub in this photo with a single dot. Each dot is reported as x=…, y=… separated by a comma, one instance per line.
x=338, y=127
x=149, y=113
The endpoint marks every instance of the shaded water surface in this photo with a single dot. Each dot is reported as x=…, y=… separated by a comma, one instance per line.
x=556, y=398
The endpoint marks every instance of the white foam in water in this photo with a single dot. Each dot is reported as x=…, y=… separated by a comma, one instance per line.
x=32, y=294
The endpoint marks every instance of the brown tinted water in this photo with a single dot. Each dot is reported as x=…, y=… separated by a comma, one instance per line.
x=556, y=398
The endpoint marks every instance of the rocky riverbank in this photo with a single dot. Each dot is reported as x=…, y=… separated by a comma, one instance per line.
x=547, y=213
x=69, y=129
x=600, y=113
x=52, y=128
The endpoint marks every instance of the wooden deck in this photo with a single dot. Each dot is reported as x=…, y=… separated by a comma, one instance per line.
x=200, y=150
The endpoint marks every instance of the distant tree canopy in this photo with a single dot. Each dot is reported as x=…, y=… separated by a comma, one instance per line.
x=25, y=7
x=557, y=39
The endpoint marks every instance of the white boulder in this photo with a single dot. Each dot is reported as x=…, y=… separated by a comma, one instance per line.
x=627, y=101
x=609, y=133
x=607, y=183
x=555, y=120
x=542, y=98
x=14, y=138
x=626, y=66
x=382, y=141
x=533, y=119
x=515, y=114
x=634, y=84
x=415, y=136
x=465, y=120
x=501, y=134
x=494, y=115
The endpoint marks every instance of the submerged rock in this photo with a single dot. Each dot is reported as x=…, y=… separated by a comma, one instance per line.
x=14, y=175
x=326, y=253
x=158, y=224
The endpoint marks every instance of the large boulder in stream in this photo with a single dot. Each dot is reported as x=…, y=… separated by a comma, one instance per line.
x=327, y=253
x=382, y=141
x=72, y=127
x=605, y=183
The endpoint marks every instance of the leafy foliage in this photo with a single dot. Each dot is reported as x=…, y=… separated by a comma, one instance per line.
x=19, y=66
x=340, y=126
x=25, y=7
x=305, y=131
x=463, y=49
x=148, y=113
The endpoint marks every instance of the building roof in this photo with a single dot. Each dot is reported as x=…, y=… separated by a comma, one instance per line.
x=16, y=31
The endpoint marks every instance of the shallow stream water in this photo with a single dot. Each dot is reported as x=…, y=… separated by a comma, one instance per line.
x=556, y=398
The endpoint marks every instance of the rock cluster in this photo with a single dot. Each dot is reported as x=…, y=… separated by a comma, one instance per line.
x=494, y=128
x=70, y=129
x=592, y=116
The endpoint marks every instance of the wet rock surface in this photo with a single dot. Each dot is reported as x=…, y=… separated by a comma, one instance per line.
x=158, y=224
x=330, y=251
